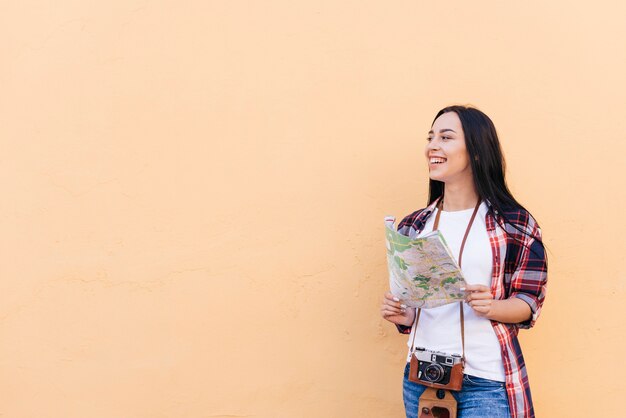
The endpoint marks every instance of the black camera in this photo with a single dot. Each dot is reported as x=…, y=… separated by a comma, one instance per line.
x=435, y=367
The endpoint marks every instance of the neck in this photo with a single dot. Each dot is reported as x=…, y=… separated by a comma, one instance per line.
x=459, y=197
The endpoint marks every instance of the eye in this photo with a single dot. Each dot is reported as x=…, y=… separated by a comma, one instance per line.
x=430, y=138
x=445, y=138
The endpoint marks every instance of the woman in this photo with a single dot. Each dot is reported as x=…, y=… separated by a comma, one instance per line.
x=504, y=265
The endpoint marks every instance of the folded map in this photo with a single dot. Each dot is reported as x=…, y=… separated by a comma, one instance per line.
x=422, y=271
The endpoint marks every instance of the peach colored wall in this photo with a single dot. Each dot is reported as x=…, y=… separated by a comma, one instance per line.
x=194, y=193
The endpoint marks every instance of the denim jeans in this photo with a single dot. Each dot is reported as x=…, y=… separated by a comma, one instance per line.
x=478, y=398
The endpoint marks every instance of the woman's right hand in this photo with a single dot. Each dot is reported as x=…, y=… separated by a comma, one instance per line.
x=393, y=310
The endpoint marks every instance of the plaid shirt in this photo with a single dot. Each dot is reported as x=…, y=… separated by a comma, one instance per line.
x=522, y=274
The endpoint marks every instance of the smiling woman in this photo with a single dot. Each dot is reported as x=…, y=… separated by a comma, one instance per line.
x=504, y=265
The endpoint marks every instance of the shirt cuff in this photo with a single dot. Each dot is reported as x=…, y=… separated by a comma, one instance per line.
x=403, y=329
x=532, y=302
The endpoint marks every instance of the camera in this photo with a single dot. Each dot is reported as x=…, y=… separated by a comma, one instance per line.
x=437, y=369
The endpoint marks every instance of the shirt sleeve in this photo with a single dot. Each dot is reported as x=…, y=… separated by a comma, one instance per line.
x=403, y=329
x=530, y=278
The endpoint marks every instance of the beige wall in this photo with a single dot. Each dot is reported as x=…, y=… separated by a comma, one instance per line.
x=194, y=193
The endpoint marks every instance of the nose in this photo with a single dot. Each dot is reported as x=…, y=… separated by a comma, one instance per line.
x=433, y=144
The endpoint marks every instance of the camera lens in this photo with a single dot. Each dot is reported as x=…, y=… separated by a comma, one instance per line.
x=433, y=373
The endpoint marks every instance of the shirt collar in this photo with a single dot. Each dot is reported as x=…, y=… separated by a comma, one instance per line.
x=490, y=221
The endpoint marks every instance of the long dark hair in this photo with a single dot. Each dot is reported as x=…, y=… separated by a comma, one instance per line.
x=486, y=160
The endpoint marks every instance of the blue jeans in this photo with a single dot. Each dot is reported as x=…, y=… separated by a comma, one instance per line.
x=478, y=398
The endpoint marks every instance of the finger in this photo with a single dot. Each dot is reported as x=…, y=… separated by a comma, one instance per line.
x=393, y=311
x=390, y=296
x=483, y=302
x=391, y=301
x=387, y=312
x=391, y=308
x=479, y=304
x=481, y=310
x=388, y=315
x=479, y=293
x=479, y=296
x=398, y=311
x=476, y=288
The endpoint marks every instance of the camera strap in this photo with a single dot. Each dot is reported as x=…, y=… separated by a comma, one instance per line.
x=467, y=230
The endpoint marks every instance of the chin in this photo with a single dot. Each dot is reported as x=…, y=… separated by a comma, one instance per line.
x=437, y=178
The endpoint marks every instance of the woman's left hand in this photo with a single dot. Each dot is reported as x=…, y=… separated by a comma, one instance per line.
x=479, y=297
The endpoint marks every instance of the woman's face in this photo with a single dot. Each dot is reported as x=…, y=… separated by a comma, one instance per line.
x=446, y=154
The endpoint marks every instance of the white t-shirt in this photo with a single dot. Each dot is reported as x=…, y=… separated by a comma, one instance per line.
x=440, y=328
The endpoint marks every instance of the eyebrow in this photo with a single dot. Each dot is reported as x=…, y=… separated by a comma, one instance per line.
x=442, y=131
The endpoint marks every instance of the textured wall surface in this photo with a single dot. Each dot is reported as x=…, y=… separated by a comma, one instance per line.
x=194, y=193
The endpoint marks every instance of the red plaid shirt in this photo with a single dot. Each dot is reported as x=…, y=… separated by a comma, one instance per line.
x=522, y=274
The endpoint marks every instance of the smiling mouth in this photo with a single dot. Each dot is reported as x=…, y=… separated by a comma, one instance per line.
x=437, y=160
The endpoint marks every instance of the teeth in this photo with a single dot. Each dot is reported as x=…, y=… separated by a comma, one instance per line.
x=437, y=160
